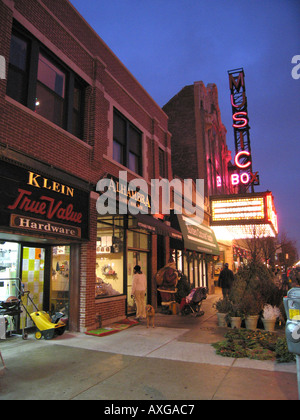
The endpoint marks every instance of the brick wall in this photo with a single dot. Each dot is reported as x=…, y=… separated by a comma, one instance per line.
x=60, y=28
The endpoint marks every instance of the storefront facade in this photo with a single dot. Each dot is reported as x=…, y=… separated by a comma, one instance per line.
x=43, y=220
x=195, y=253
x=72, y=113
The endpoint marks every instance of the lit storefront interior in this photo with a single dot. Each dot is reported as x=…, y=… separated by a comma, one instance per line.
x=122, y=243
x=43, y=221
x=193, y=252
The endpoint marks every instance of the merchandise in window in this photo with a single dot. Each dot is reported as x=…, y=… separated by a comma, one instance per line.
x=109, y=258
x=60, y=280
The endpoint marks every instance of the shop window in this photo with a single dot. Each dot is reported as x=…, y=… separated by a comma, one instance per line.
x=138, y=240
x=60, y=280
x=192, y=265
x=109, y=258
x=33, y=271
x=127, y=143
x=40, y=81
x=176, y=255
x=139, y=246
x=9, y=276
x=9, y=269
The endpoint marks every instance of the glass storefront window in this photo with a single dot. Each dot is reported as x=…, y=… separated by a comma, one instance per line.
x=135, y=258
x=138, y=240
x=192, y=265
x=60, y=280
x=109, y=257
x=9, y=269
x=33, y=270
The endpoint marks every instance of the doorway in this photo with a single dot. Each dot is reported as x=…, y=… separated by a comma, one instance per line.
x=135, y=258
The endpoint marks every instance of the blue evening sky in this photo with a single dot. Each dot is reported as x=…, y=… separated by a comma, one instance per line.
x=168, y=44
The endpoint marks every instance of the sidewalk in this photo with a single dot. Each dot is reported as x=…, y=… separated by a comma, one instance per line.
x=173, y=361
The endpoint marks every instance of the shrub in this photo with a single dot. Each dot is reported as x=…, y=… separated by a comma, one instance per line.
x=282, y=353
x=259, y=345
x=223, y=305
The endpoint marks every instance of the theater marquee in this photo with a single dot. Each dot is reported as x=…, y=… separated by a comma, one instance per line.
x=245, y=216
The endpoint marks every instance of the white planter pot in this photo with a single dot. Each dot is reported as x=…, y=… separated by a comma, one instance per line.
x=236, y=322
x=251, y=322
x=269, y=324
x=221, y=319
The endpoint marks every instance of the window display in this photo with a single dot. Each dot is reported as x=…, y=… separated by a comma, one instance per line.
x=109, y=257
x=59, y=292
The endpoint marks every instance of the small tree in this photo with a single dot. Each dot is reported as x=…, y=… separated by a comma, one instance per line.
x=256, y=279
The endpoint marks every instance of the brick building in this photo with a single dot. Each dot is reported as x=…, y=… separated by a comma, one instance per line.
x=71, y=114
x=199, y=138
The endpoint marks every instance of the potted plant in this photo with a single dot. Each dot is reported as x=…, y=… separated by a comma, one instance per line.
x=251, y=306
x=234, y=316
x=223, y=306
x=269, y=317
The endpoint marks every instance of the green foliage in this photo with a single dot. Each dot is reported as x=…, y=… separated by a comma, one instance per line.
x=259, y=345
x=254, y=282
x=282, y=353
x=223, y=305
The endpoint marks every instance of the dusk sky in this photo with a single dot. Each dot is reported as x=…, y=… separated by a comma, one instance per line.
x=168, y=44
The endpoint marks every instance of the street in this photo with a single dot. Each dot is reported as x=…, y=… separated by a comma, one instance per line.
x=172, y=362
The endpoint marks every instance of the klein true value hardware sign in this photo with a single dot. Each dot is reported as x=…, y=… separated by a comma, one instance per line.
x=38, y=204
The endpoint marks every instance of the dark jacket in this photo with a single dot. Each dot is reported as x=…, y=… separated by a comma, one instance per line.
x=226, y=278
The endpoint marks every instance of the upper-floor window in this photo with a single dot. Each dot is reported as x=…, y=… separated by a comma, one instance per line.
x=50, y=91
x=39, y=80
x=162, y=164
x=17, y=83
x=127, y=143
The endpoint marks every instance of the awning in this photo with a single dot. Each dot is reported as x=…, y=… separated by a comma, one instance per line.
x=144, y=221
x=197, y=237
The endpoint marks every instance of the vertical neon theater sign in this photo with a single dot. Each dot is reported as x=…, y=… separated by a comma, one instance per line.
x=243, y=160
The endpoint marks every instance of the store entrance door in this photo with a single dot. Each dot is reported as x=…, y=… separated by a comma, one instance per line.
x=32, y=278
x=135, y=258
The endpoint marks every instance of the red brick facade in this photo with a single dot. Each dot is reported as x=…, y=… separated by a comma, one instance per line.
x=58, y=27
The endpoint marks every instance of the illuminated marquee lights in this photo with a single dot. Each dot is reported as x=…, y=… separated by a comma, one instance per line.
x=271, y=214
x=244, y=217
x=240, y=118
x=232, y=232
x=239, y=209
x=245, y=177
x=237, y=159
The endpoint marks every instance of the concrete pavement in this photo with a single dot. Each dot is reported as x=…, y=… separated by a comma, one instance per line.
x=174, y=361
